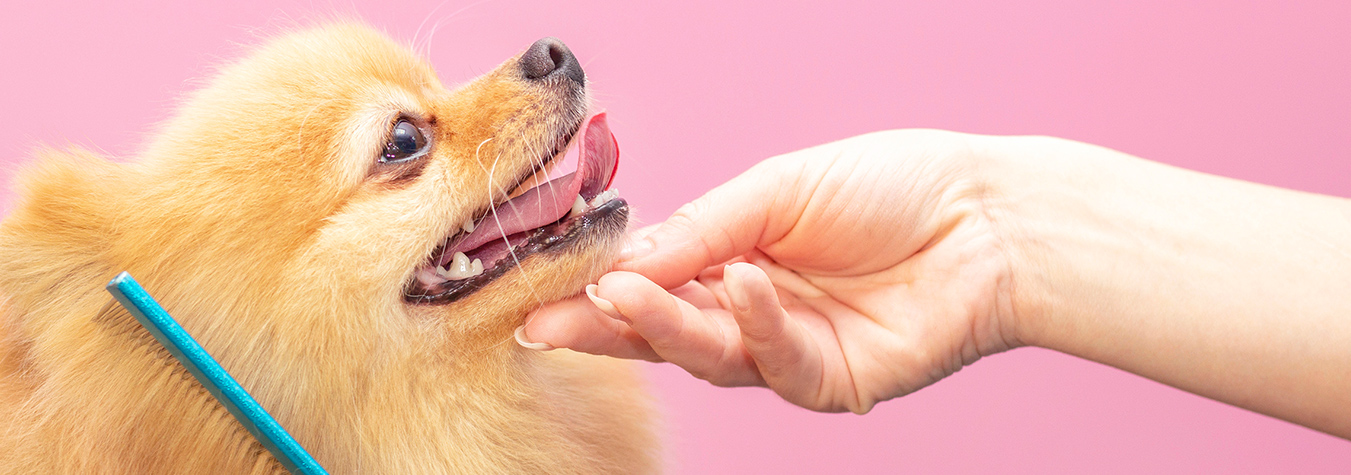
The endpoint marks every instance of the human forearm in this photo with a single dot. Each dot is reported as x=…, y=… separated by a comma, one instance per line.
x=1232, y=290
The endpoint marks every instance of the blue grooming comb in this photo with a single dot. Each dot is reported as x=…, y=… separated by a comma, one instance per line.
x=207, y=371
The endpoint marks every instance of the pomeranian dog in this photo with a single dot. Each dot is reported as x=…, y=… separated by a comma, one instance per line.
x=356, y=244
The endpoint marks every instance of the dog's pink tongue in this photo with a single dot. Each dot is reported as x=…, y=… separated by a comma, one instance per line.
x=597, y=161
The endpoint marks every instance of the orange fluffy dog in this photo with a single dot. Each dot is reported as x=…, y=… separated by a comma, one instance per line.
x=328, y=220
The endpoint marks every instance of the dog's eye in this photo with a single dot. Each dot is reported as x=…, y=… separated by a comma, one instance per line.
x=405, y=141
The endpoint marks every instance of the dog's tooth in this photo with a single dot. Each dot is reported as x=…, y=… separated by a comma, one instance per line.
x=604, y=197
x=468, y=226
x=476, y=267
x=460, y=264
x=430, y=277
x=578, y=206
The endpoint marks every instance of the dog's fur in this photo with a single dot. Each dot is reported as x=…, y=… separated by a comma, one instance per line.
x=259, y=217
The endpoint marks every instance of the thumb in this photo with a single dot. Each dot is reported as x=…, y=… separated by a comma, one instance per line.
x=726, y=222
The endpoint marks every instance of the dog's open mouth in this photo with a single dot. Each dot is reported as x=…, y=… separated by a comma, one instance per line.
x=548, y=216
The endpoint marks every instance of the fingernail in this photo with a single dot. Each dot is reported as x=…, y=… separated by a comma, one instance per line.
x=635, y=247
x=736, y=290
x=521, y=340
x=605, y=306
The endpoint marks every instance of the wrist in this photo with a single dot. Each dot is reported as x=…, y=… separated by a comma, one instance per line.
x=1059, y=208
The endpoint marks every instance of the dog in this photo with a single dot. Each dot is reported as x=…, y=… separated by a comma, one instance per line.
x=355, y=243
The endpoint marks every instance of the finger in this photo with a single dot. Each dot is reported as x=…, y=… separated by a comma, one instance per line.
x=707, y=347
x=577, y=324
x=697, y=294
x=788, y=358
x=644, y=231
x=724, y=223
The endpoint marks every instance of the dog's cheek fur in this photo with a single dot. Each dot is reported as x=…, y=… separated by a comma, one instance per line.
x=248, y=218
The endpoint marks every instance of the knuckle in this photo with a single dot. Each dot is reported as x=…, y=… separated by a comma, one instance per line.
x=767, y=335
x=686, y=215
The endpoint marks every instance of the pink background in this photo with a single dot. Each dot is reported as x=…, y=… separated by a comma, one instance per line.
x=700, y=90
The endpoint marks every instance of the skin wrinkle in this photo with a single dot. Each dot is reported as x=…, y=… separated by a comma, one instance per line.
x=683, y=220
x=835, y=198
x=673, y=335
x=791, y=221
x=1008, y=337
x=822, y=388
x=762, y=338
x=860, y=407
x=729, y=352
x=963, y=218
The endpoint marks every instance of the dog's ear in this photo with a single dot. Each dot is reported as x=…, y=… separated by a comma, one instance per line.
x=63, y=217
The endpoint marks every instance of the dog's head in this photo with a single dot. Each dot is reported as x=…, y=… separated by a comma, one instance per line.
x=331, y=178
x=330, y=221
x=333, y=167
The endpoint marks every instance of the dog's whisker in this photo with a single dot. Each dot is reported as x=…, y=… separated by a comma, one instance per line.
x=537, y=160
x=452, y=15
x=593, y=57
x=530, y=151
x=423, y=23
x=432, y=34
x=502, y=230
x=540, y=159
x=499, y=344
x=477, y=151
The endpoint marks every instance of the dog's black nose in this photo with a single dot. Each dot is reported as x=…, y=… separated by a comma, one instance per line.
x=549, y=57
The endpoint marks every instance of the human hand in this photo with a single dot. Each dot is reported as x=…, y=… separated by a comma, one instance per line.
x=868, y=268
x=861, y=270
